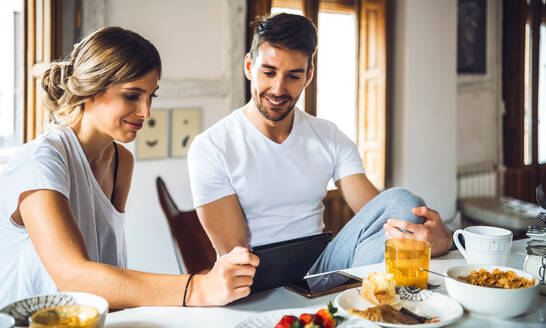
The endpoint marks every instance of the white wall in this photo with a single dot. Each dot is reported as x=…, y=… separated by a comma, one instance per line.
x=423, y=103
x=198, y=41
x=479, y=105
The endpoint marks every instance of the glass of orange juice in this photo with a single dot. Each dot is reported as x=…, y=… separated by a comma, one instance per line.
x=404, y=257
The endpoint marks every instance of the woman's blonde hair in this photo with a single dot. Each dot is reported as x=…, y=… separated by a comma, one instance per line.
x=107, y=56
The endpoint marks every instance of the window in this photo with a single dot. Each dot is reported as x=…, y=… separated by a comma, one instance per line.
x=534, y=52
x=542, y=94
x=31, y=36
x=291, y=7
x=534, y=86
x=528, y=109
x=524, y=95
x=336, y=61
x=349, y=87
x=336, y=69
x=11, y=79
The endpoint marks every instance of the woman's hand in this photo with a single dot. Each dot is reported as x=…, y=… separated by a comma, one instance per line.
x=229, y=279
x=432, y=230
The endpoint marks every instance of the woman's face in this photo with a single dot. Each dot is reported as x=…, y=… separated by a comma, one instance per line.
x=120, y=110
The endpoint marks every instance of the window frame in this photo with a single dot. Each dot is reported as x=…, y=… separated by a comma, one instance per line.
x=521, y=179
x=42, y=44
x=10, y=143
x=359, y=7
x=310, y=10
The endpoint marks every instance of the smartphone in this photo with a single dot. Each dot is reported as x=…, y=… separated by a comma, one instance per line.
x=323, y=284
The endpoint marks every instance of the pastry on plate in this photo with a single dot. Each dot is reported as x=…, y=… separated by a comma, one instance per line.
x=378, y=288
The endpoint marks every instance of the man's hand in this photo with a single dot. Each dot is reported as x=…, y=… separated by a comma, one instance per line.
x=229, y=279
x=433, y=230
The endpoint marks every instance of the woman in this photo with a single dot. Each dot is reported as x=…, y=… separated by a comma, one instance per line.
x=63, y=195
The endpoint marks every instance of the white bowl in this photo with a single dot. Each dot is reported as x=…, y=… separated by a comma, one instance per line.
x=21, y=310
x=6, y=321
x=495, y=302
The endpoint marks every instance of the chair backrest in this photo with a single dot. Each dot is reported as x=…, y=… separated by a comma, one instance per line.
x=193, y=248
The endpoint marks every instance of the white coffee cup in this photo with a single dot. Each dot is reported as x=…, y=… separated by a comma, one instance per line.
x=485, y=245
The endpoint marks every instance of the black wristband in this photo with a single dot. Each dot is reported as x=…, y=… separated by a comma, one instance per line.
x=186, y=289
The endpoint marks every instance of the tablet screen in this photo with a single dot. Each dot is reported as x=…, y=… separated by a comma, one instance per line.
x=325, y=282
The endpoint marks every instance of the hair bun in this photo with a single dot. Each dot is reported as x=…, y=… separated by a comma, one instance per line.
x=66, y=71
x=54, y=81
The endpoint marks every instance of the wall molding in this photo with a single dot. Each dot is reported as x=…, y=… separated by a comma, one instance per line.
x=94, y=17
x=477, y=86
x=195, y=88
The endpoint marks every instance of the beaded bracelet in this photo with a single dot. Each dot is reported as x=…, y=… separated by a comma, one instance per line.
x=186, y=289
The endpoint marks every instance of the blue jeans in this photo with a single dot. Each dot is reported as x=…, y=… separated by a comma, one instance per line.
x=362, y=239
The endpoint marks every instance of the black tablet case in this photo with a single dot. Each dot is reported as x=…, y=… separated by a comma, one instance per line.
x=287, y=261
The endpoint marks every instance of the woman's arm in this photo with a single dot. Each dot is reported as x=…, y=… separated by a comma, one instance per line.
x=54, y=232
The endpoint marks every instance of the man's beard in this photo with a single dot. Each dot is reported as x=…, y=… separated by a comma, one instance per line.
x=267, y=116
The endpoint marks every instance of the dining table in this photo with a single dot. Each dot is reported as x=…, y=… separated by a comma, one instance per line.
x=233, y=314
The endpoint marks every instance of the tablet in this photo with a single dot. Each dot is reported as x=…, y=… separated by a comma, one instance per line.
x=287, y=261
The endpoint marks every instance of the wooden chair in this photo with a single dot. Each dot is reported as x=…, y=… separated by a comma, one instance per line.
x=193, y=248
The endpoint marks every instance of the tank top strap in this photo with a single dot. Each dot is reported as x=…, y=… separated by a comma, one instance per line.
x=116, y=163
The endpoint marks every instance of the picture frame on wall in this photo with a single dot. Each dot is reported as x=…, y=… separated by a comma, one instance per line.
x=185, y=125
x=471, y=36
x=152, y=141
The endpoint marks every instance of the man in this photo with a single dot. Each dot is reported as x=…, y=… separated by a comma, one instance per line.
x=259, y=175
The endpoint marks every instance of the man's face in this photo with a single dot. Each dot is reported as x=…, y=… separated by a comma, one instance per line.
x=277, y=78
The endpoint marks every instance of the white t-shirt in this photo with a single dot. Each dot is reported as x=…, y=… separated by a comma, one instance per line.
x=280, y=186
x=57, y=162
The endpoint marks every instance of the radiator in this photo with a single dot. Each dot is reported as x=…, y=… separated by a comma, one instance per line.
x=479, y=198
x=478, y=180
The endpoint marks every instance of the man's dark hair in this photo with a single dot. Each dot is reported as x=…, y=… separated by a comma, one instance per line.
x=294, y=32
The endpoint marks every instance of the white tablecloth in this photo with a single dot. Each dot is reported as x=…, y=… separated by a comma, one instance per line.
x=280, y=298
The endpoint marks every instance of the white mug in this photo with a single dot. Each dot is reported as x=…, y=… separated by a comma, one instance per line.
x=485, y=245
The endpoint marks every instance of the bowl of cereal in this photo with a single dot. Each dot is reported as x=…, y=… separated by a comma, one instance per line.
x=491, y=290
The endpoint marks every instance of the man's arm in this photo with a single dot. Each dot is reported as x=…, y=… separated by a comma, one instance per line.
x=357, y=190
x=224, y=223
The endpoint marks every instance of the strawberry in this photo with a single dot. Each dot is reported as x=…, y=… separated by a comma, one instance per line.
x=318, y=320
x=306, y=318
x=289, y=321
x=324, y=318
x=328, y=317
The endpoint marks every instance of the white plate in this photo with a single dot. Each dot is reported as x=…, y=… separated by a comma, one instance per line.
x=271, y=318
x=421, y=302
